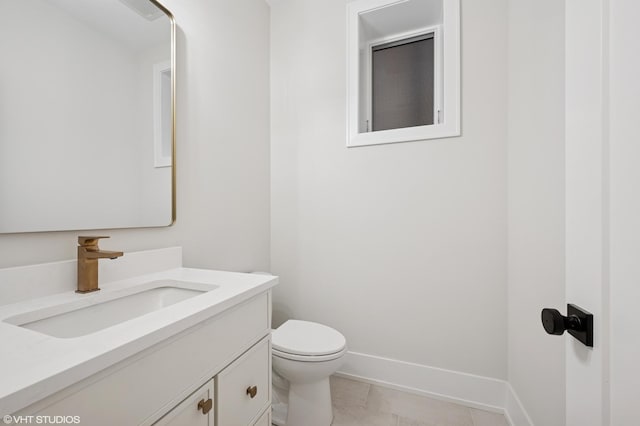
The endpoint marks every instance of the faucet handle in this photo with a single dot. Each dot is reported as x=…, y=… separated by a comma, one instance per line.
x=90, y=241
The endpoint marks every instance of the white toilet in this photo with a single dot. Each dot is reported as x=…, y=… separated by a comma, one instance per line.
x=305, y=354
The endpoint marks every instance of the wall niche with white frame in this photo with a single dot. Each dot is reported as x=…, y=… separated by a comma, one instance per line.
x=403, y=70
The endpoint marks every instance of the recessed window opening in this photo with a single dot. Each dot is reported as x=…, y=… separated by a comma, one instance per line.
x=403, y=67
x=403, y=83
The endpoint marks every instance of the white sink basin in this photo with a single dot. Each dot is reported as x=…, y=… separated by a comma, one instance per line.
x=75, y=319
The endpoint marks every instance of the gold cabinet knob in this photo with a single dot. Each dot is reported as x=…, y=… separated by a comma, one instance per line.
x=205, y=406
x=252, y=391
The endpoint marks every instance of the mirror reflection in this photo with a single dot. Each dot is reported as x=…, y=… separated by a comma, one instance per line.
x=86, y=115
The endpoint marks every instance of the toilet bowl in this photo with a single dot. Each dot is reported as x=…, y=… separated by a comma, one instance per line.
x=305, y=354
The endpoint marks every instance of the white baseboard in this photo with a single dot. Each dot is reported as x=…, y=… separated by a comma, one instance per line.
x=485, y=393
x=467, y=389
x=514, y=410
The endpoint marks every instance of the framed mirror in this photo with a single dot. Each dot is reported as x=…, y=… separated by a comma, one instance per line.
x=87, y=115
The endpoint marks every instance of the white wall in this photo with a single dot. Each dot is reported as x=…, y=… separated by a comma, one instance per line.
x=222, y=143
x=624, y=210
x=536, y=205
x=401, y=247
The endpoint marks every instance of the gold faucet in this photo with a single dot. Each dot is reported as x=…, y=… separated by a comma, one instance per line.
x=88, y=255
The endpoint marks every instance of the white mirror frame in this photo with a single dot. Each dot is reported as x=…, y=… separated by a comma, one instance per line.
x=450, y=125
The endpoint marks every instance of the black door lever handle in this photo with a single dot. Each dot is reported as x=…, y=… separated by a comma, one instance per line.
x=578, y=322
x=556, y=323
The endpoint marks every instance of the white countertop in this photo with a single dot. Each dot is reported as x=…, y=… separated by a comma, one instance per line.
x=34, y=365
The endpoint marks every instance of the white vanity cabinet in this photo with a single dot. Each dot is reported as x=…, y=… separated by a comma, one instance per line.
x=217, y=373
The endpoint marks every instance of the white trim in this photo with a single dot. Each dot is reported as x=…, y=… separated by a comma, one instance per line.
x=485, y=393
x=514, y=410
x=450, y=99
x=467, y=389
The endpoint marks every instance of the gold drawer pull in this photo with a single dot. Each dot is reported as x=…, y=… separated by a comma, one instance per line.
x=205, y=406
x=252, y=391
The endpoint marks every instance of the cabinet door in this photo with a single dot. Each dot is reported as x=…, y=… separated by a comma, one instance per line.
x=196, y=410
x=243, y=389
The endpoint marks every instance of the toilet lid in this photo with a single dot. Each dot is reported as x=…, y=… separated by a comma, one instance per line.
x=307, y=338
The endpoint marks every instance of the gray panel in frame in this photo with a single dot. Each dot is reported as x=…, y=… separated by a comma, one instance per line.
x=403, y=83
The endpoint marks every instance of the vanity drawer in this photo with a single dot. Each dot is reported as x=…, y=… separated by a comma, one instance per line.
x=243, y=389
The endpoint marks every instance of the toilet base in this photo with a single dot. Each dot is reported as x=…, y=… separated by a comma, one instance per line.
x=313, y=402
x=279, y=399
x=310, y=404
x=279, y=414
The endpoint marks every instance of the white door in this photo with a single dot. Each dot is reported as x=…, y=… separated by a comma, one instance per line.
x=603, y=208
x=586, y=197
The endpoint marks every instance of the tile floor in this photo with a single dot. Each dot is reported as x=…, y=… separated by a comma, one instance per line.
x=361, y=404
